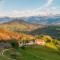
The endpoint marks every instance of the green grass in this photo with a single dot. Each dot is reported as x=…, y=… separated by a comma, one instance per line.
x=31, y=53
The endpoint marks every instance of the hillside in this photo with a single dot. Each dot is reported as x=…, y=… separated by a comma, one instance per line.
x=6, y=35
x=54, y=31
x=19, y=25
x=31, y=53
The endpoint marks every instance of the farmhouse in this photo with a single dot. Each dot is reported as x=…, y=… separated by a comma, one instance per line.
x=31, y=42
x=27, y=42
x=39, y=42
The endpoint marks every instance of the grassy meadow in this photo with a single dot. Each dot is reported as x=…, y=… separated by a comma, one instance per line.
x=33, y=52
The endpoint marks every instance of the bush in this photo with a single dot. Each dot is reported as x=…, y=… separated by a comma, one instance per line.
x=23, y=47
x=14, y=44
x=48, y=41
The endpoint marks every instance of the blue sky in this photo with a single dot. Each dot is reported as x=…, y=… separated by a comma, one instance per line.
x=16, y=8
x=22, y=4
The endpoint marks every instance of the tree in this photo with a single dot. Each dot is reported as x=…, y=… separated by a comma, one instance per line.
x=14, y=43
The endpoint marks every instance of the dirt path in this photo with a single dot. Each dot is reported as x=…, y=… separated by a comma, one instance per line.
x=2, y=52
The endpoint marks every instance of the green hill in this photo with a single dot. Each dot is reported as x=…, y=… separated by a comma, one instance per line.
x=31, y=53
x=53, y=31
x=19, y=26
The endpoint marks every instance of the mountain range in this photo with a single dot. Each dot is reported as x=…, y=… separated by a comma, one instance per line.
x=35, y=25
x=45, y=20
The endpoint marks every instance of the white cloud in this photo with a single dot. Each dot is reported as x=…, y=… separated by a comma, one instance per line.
x=2, y=14
x=17, y=13
x=45, y=6
x=49, y=3
x=43, y=10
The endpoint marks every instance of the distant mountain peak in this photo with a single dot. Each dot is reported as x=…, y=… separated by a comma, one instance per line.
x=45, y=20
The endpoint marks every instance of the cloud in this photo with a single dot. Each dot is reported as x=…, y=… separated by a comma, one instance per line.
x=49, y=3
x=45, y=10
x=2, y=14
x=45, y=6
x=16, y=13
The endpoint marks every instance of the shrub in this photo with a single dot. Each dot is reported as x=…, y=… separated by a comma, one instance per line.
x=14, y=44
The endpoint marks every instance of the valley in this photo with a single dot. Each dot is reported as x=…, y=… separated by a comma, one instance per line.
x=29, y=41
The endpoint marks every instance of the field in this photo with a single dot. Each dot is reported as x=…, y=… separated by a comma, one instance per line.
x=31, y=53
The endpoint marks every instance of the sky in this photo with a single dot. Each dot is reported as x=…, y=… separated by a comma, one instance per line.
x=20, y=8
